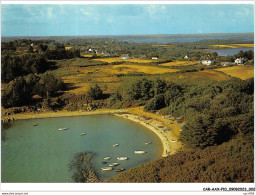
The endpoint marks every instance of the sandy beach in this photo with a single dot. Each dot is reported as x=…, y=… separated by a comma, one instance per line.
x=29, y=115
x=169, y=141
x=151, y=121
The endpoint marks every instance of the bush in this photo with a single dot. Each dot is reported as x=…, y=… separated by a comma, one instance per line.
x=155, y=103
x=94, y=92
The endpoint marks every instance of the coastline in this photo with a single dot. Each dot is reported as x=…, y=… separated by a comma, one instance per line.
x=30, y=115
x=163, y=139
x=168, y=139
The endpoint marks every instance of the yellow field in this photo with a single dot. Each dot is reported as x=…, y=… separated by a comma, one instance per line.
x=234, y=46
x=87, y=55
x=118, y=59
x=109, y=60
x=245, y=45
x=180, y=63
x=105, y=76
x=242, y=72
x=205, y=74
x=124, y=69
x=68, y=48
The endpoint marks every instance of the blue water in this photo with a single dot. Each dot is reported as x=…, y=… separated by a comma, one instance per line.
x=230, y=52
x=43, y=154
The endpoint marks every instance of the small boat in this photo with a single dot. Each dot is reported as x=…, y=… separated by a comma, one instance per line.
x=115, y=145
x=113, y=164
x=106, y=168
x=35, y=124
x=104, y=162
x=106, y=158
x=119, y=170
x=82, y=133
x=121, y=158
x=139, y=152
x=60, y=129
x=65, y=128
x=146, y=143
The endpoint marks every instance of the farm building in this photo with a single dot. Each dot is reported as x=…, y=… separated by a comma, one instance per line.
x=226, y=63
x=125, y=57
x=208, y=62
x=143, y=56
x=185, y=57
x=240, y=61
x=154, y=58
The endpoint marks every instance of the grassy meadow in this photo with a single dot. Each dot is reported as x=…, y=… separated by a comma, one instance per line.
x=233, y=46
x=242, y=72
x=180, y=63
x=80, y=73
x=118, y=59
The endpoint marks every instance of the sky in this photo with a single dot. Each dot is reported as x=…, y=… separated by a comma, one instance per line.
x=124, y=19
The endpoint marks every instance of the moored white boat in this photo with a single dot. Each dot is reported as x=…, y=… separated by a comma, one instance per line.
x=107, y=158
x=60, y=129
x=82, y=133
x=113, y=164
x=121, y=158
x=115, y=145
x=65, y=128
x=146, y=143
x=106, y=168
x=139, y=152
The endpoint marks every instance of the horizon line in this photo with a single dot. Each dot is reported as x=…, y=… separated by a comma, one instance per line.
x=122, y=34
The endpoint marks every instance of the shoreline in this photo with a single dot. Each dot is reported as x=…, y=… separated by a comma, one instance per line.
x=28, y=116
x=170, y=145
x=155, y=130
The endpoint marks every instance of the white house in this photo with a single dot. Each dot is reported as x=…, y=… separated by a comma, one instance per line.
x=185, y=57
x=239, y=61
x=208, y=62
x=154, y=58
x=125, y=57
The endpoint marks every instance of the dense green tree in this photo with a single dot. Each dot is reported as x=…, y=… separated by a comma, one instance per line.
x=49, y=84
x=200, y=132
x=17, y=93
x=155, y=103
x=94, y=92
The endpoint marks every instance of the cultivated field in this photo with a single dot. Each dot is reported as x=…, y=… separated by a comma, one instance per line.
x=242, y=72
x=87, y=55
x=180, y=63
x=118, y=59
x=234, y=46
x=204, y=75
x=80, y=78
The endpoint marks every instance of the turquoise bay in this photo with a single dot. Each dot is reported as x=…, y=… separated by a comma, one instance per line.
x=37, y=154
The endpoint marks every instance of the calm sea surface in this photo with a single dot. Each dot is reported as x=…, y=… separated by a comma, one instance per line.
x=42, y=153
x=230, y=52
